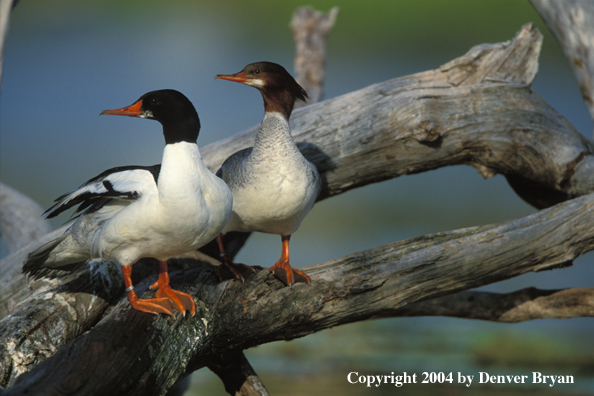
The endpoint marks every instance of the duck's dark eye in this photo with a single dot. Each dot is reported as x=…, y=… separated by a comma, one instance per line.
x=257, y=71
x=154, y=101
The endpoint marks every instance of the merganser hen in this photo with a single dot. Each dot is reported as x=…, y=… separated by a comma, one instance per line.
x=273, y=185
x=131, y=212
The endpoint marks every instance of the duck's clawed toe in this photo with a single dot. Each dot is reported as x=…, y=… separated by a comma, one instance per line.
x=287, y=274
x=231, y=270
x=181, y=301
x=160, y=305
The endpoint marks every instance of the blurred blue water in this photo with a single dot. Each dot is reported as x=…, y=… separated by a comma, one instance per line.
x=66, y=60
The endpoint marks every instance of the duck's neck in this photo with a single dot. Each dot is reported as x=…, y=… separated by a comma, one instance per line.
x=274, y=143
x=278, y=101
x=274, y=132
x=180, y=170
x=185, y=130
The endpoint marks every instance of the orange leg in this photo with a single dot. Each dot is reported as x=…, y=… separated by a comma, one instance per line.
x=283, y=270
x=237, y=270
x=181, y=301
x=150, y=305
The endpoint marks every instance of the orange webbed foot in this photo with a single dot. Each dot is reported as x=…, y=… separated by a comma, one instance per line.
x=287, y=274
x=230, y=270
x=181, y=301
x=150, y=305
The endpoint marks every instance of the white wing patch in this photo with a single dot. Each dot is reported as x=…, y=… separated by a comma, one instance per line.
x=131, y=183
x=126, y=185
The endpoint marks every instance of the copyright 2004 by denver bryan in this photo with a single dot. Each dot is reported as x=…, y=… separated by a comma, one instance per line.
x=399, y=379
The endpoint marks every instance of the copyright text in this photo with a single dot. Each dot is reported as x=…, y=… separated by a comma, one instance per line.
x=400, y=379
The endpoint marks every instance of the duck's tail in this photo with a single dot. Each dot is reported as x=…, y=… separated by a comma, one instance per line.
x=49, y=260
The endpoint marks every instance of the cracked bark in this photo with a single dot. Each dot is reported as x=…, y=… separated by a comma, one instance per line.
x=570, y=22
x=379, y=282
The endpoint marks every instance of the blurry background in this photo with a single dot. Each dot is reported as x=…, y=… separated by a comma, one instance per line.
x=66, y=60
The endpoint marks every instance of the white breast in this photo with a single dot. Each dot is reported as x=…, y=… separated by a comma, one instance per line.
x=188, y=209
x=280, y=185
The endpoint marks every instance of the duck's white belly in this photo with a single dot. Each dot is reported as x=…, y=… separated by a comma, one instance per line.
x=273, y=185
x=275, y=204
x=162, y=225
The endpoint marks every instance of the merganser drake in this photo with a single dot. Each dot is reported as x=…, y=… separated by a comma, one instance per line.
x=273, y=185
x=131, y=212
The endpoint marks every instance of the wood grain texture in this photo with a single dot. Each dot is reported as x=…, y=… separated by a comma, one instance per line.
x=310, y=31
x=13, y=285
x=518, y=306
x=154, y=352
x=59, y=312
x=570, y=21
x=22, y=229
x=477, y=110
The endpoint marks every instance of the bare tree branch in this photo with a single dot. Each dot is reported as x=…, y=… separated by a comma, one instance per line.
x=571, y=24
x=519, y=306
x=20, y=223
x=476, y=110
x=238, y=376
x=5, y=9
x=20, y=219
x=310, y=30
x=233, y=316
x=13, y=285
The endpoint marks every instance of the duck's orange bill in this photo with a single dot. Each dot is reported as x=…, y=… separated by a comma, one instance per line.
x=132, y=110
x=239, y=77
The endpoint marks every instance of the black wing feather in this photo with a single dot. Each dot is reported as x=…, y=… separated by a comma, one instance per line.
x=95, y=200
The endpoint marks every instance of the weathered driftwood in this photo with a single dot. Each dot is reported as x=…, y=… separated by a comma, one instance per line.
x=20, y=225
x=310, y=30
x=477, y=109
x=20, y=219
x=233, y=316
x=238, y=376
x=13, y=285
x=571, y=24
x=519, y=306
x=5, y=8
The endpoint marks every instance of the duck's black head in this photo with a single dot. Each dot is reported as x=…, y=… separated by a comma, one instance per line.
x=279, y=89
x=171, y=108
